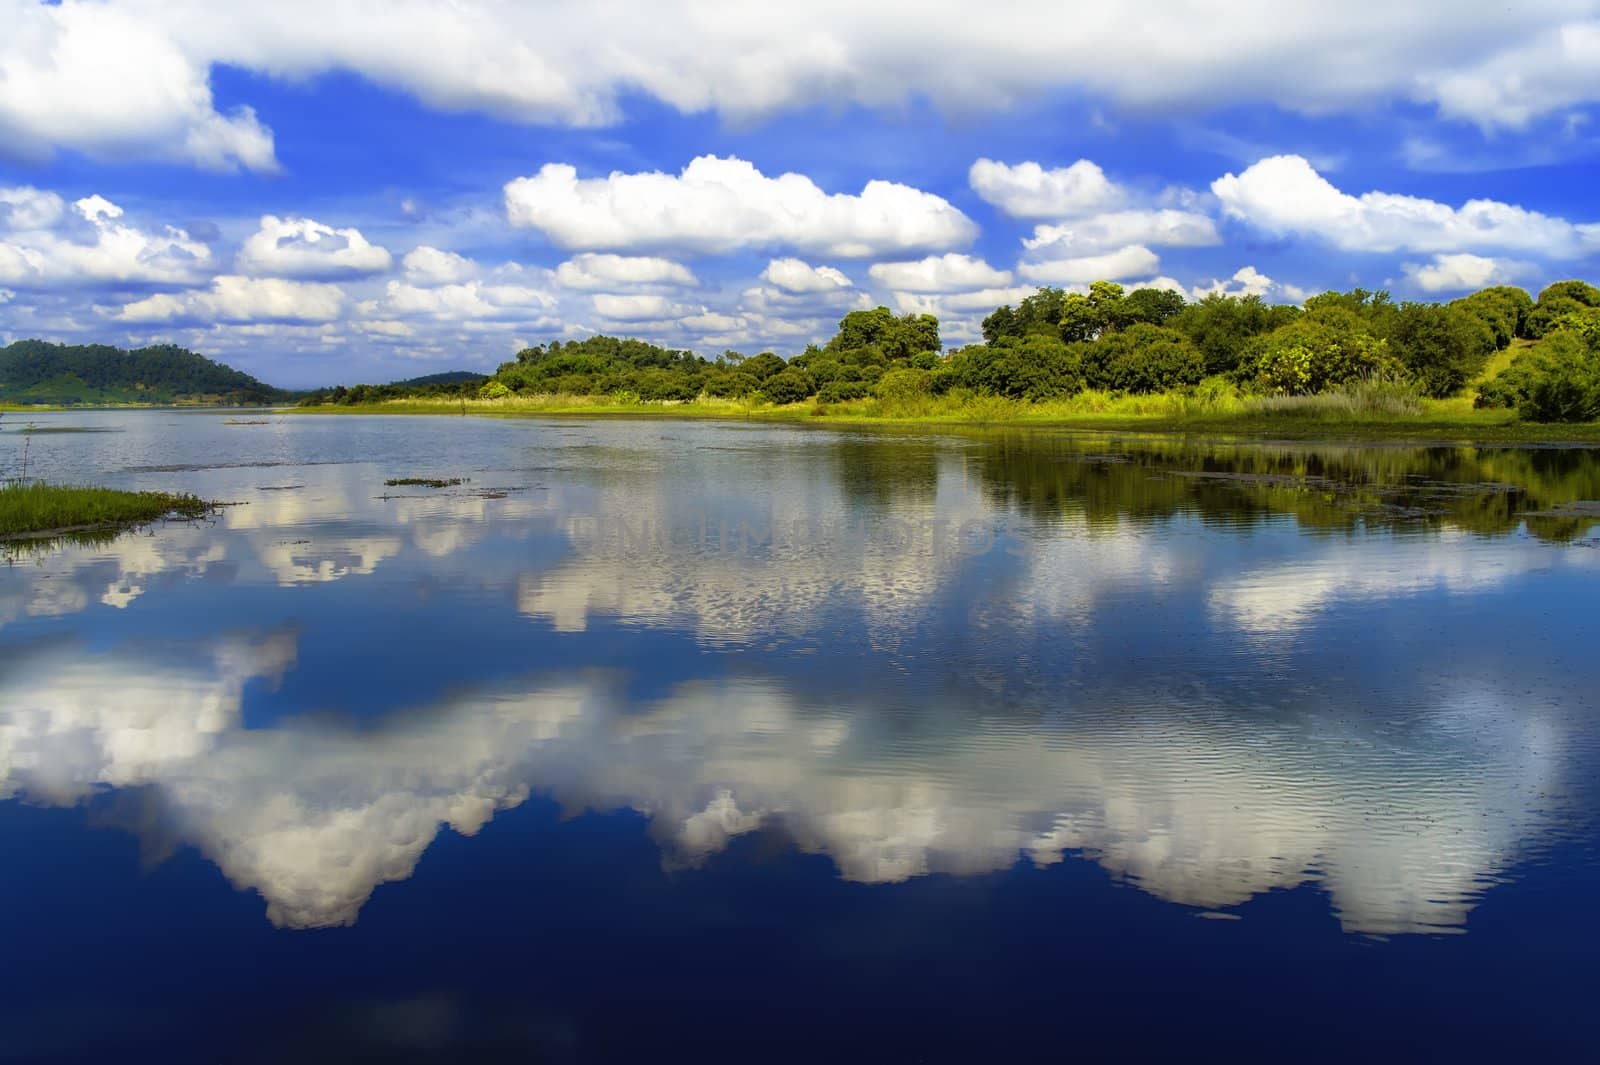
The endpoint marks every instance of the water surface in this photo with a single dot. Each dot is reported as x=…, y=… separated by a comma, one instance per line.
x=767, y=742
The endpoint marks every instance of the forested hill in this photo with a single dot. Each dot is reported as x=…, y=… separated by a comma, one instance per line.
x=33, y=371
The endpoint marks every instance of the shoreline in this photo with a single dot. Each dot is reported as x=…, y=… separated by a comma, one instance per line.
x=1492, y=428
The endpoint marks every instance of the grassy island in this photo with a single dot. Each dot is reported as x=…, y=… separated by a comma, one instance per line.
x=32, y=509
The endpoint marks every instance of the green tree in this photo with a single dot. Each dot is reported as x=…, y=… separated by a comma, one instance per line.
x=1441, y=347
x=1556, y=302
x=1032, y=367
x=1223, y=326
x=1154, y=306
x=1143, y=358
x=791, y=385
x=1503, y=308
x=1327, y=346
x=762, y=366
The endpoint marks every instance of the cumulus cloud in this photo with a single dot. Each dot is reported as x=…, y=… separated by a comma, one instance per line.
x=113, y=81
x=634, y=308
x=723, y=205
x=130, y=78
x=1120, y=229
x=797, y=276
x=426, y=265
x=1246, y=281
x=304, y=247
x=1552, y=71
x=468, y=300
x=1028, y=190
x=591, y=271
x=232, y=298
x=1135, y=261
x=1463, y=272
x=44, y=242
x=939, y=273
x=1285, y=194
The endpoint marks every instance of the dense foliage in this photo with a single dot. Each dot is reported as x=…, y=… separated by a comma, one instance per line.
x=1057, y=344
x=33, y=371
x=1557, y=378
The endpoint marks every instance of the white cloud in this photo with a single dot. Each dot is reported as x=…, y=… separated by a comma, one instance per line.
x=469, y=300
x=939, y=273
x=26, y=208
x=591, y=271
x=43, y=242
x=797, y=276
x=386, y=328
x=426, y=265
x=1285, y=194
x=1119, y=229
x=722, y=205
x=1246, y=281
x=1028, y=190
x=1552, y=71
x=113, y=81
x=130, y=78
x=305, y=248
x=634, y=308
x=242, y=299
x=1133, y=261
x=1463, y=272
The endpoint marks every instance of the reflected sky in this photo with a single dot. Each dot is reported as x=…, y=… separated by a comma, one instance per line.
x=1212, y=670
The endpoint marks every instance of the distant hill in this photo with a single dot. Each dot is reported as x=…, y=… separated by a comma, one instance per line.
x=450, y=377
x=452, y=383
x=34, y=371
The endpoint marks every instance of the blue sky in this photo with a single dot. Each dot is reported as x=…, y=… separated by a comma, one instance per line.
x=353, y=191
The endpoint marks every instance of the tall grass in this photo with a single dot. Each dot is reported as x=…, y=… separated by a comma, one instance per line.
x=1356, y=401
x=1372, y=409
x=28, y=507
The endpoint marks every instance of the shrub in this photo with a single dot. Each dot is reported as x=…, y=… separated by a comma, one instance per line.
x=1143, y=358
x=904, y=385
x=844, y=391
x=788, y=386
x=1032, y=367
x=1556, y=380
x=1316, y=352
x=1440, y=347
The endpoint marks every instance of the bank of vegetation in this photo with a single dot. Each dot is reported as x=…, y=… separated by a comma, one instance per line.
x=32, y=508
x=35, y=373
x=1497, y=363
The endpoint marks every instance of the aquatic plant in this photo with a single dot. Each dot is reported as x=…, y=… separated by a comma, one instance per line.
x=33, y=508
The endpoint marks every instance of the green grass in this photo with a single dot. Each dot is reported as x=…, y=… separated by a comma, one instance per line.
x=422, y=482
x=35, y=509
x=1342, y=415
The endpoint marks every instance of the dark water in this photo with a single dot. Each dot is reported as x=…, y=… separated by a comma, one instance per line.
x=727, y=742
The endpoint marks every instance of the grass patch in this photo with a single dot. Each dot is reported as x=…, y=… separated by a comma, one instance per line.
x=422, y=482
x=1215, y=412
x=35, y=509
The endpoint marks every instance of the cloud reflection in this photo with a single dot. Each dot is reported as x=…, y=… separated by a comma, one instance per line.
x=1181, y=794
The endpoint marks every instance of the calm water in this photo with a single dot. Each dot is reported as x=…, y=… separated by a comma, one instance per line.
x=736, y=742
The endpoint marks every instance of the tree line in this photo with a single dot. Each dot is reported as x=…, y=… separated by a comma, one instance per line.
x=1055, y=344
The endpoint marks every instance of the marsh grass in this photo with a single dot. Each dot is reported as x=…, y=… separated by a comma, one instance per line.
x=1214, y=407
x=31, y=508
x=1357, y=401
x=422, y=482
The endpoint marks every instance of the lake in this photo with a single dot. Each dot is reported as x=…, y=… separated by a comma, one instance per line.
x=736, y=741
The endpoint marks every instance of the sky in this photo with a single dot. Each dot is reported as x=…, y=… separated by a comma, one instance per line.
x=364, y=190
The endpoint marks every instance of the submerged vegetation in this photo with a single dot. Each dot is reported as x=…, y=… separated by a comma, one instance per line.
x=32, y=508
